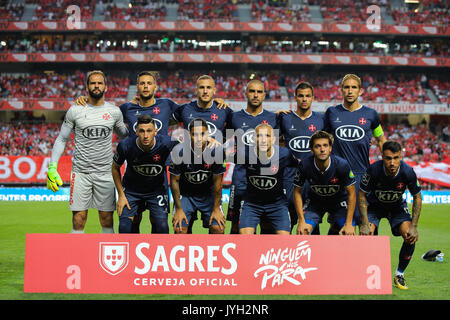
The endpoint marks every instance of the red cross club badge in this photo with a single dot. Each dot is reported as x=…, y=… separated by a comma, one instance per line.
x=214, y=117
x=334, y=180
x=362, y=121
x=106, y=116
x=156, y=157
x=113, y=256
x=312, y=128
x=156, y=110
x=274, y=168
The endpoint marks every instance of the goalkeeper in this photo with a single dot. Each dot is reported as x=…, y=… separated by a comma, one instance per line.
x=91, y=183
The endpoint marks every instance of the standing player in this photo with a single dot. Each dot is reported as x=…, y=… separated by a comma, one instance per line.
x=143, y=182
x=296, y=129
x=264, y=198
x=352, y=125
x=244, y=123
x=196, y=184
x=332, y=188
x=381, y=196
x=91, y=184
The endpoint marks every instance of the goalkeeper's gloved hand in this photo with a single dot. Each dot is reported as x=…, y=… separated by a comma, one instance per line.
x=53, y=178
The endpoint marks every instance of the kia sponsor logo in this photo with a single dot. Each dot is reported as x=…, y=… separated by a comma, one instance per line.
x=211, y=128
x=96, y=132
x=248, y=138
x=197, y=177
x=148, y=170
x=349, y=133
x=325, y=190
x=263, y=182
x=388, y=196
x=299, y=144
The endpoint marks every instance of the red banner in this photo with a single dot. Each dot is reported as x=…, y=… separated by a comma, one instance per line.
x=31, y=169
x=207, y=264
x=199, y=26
x=194, y=57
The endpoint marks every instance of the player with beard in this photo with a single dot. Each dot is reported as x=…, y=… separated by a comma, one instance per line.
x=332, y=188
x=353, y=125
x=91, y=183
x=381, y=196
x=296, y=128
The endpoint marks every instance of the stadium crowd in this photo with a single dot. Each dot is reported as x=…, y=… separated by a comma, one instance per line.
x=430, y=12
x=179, y=85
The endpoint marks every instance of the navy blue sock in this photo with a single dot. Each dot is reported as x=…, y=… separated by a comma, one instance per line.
x=125, y=225
x=160, y=226
x=405, y=256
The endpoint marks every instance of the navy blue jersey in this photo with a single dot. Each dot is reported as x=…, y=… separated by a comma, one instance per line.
x=196, y=174
x=296, y=131
x=161, y=111
x=215, y=117
x=145, y=169
x=247, y=123
x=386, y=191
x=265, y=180
x=327, y=188
x=352, y=131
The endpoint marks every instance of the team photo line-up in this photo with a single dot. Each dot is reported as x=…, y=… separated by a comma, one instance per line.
x=289, y=167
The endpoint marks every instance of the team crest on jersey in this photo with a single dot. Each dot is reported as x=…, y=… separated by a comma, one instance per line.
x=388, y=196
x=156, y=110
x=325, y=190
x=263, y=182
x=312, y=128
x=299, y=144
x=148, y=170
x=214, y=117
x=197, y=177
x=362, y=121
x=156, y=157
x=334, y=180
x=113, y=256
x=274, y=168
x=349, y=133
x=106, y=116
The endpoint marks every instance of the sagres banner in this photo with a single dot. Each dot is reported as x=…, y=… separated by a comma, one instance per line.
x=207, y=264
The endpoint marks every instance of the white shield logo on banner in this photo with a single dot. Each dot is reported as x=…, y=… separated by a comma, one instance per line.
x=113, y=256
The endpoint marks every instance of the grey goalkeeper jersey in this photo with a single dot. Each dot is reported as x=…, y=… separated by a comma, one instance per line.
x=93, y=128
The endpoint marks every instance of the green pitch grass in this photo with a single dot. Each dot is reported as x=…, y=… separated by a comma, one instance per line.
x=426, y=280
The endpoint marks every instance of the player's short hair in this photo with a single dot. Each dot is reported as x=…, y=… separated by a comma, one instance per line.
x=304, y=85
x=146, y=73
x=90, y=73
x=262, y=125
x=320, y=135
x=393, y=146
x=145, y=119
x=197, y=122
x=351, y=76
x=205, y=77
x=255, y=81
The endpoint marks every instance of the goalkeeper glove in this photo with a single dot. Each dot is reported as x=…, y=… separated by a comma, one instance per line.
x=53, y=178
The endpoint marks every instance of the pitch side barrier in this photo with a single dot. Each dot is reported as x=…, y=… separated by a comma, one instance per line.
x=207, y=264
x=43, y=194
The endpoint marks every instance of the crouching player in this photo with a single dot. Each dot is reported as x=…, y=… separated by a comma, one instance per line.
x=196, y=182
x=265, y=199
x=381, y=196
x=143, y=182
x=332, y=188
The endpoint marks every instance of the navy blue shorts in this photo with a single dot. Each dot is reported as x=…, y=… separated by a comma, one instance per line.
x=395, y=216
x=235, y=203
x=337, y=214
x=157, y=204
x=204, y=204
x=277, y=214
